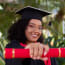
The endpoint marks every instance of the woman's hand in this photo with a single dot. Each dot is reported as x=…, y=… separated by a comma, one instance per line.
x=36, y=50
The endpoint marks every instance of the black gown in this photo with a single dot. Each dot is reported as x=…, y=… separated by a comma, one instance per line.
x=26, y=61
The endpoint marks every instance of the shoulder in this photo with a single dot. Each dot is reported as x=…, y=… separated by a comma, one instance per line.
x=14, y=44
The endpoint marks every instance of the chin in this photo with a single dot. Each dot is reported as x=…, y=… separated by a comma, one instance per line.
x=33, y=40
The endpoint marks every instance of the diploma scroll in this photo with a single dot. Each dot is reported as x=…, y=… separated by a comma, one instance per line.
x=24, y=53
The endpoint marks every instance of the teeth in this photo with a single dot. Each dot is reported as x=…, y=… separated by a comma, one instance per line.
x=34, y=35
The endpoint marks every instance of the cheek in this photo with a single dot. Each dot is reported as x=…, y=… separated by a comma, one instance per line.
x=27, y=32
x=40, y=34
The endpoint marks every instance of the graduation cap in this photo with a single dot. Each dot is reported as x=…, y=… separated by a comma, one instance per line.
x=32, y=13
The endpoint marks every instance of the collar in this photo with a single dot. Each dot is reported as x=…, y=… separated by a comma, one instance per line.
x=22, y=44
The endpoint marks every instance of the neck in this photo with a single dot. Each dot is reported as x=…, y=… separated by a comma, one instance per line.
x=29, y=42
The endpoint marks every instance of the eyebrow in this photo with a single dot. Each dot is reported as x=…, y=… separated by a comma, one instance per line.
x=34, y=24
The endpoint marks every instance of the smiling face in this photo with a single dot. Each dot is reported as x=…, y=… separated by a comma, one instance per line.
x=33, y=30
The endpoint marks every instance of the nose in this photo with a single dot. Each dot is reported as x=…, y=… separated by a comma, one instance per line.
x=36, y=30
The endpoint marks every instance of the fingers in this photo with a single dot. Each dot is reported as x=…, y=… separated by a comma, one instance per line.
x=27, y=47
x=36, y=50
x=40, y=50
x=46, y=47
x=31, y=52
x=45, y=53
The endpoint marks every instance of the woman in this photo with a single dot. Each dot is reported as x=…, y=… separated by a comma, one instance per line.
x=27, y=33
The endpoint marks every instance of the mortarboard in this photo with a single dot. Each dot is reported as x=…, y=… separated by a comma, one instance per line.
x=32, y=13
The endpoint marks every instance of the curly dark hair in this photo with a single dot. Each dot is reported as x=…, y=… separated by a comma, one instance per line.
x=17, y=31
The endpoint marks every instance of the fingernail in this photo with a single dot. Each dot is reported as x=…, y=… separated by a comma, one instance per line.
x=45, y=53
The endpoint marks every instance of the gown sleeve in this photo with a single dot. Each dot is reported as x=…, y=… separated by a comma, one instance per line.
x=17, y=61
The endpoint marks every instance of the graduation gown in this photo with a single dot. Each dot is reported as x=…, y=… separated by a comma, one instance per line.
x=26, y=61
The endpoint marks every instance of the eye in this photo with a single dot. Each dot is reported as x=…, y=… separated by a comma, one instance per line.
x=31, y=26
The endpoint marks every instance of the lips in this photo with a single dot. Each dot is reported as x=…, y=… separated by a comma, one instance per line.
x=35, y=35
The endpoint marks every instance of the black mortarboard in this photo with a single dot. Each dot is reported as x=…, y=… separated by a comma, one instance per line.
x=32, y=13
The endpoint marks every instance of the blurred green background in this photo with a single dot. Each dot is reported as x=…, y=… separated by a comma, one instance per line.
x=53, y=25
